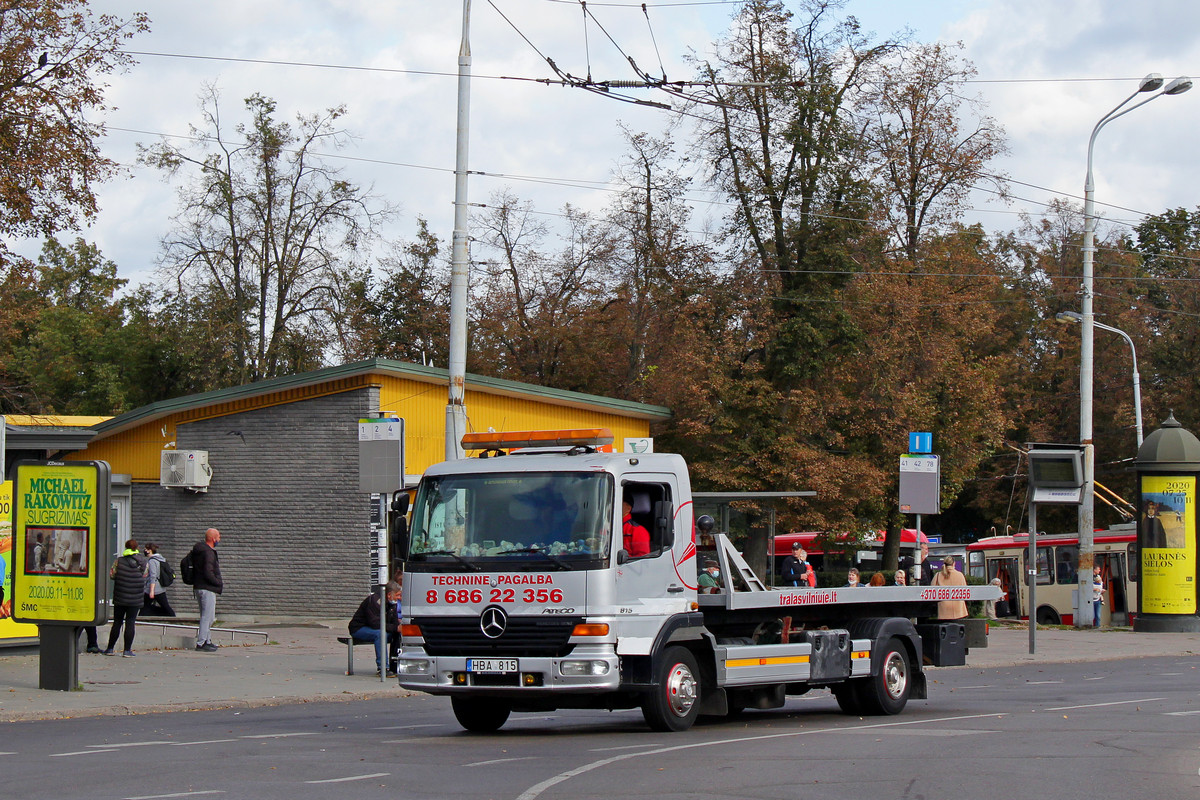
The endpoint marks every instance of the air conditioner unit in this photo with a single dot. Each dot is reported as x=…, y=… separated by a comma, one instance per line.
x=185, y=469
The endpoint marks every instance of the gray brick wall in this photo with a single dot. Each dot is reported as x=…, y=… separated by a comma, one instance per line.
x=284, y=495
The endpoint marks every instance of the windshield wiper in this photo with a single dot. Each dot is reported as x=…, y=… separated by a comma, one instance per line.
x=453, y=555
x=558, y=561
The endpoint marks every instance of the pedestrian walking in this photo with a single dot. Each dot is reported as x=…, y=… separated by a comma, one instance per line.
x=128, y=574
x=206, y=585
x=1097, y=595
x=154, y=600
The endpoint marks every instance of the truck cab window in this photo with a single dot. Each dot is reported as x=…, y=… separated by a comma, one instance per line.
x=532, y=519
x=642, y=499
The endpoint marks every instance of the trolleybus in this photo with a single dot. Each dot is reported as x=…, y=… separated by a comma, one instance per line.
x=1006, y=558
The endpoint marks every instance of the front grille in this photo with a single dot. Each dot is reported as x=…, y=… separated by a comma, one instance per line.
x=530, y=637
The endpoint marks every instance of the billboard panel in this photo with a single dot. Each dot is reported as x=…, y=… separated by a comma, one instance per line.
x=1167, y=537
x=60, y=511
x=9, y=630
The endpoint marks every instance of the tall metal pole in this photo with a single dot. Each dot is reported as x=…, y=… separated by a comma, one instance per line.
x=1087, y=508
x=1031, y=576
x=918, y=565
x=456, y=410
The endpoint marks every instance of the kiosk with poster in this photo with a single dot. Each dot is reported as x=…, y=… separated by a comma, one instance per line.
x=59, y=530
x=1168, y=467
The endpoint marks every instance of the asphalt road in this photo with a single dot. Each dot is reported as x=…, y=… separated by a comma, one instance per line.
x=1129, y=728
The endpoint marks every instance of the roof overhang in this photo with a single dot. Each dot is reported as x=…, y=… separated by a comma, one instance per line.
x=380, y=366
x=44, y=437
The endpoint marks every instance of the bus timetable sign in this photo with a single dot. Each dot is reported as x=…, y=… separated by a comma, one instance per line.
x=920, y=484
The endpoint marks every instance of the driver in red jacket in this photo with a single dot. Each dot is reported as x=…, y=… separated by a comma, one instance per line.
x=636, y=539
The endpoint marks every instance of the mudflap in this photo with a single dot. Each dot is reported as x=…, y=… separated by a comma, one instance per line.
x=714, y=703
x=919, y=689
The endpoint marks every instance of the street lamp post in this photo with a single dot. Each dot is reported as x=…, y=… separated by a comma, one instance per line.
x=1076, y=317
x=456, y=410
x=1087, y=508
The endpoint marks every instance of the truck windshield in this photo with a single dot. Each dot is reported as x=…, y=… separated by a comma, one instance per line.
x=538, y=520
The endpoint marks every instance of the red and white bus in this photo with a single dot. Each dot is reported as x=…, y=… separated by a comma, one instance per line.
x=1006, y=558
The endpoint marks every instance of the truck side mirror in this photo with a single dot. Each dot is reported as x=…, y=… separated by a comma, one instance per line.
x=398, y=537
x=664, y=530
x=398, y=526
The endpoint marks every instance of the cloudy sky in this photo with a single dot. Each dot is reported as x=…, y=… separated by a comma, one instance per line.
x=1048, y=71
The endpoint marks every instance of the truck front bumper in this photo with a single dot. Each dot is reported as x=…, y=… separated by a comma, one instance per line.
x=586, y=669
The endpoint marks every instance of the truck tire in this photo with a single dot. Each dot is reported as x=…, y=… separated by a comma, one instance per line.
x=480, y=715
x=886, y=692
x=674, y=703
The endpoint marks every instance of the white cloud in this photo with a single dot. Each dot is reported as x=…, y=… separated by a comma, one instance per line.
x=1141, y=160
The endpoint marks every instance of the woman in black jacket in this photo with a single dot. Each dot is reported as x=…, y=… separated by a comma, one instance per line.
x=129, y=577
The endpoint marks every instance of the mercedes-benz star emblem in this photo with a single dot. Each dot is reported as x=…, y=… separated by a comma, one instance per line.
x=493, y=621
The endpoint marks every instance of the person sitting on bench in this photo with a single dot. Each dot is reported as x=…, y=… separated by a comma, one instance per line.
x=365, y=625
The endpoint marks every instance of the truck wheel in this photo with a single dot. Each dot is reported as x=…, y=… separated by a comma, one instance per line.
x=674, y=703
x=848, y=697
x=887, y=692
x=480, y=715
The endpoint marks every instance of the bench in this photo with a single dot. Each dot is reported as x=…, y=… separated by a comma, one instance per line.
x=350, y=645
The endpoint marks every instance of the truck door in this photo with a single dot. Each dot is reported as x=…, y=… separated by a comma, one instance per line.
x=644, y=582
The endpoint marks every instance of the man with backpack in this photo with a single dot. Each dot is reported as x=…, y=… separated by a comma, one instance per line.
x=202, y=570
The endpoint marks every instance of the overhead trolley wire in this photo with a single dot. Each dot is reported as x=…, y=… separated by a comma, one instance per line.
x=654, y=41
x=587, y=48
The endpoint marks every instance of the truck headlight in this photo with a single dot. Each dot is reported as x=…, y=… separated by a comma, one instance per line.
x=413, y=667
x=580, y=668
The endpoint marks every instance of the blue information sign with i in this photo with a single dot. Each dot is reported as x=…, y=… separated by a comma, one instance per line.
x=920, y=443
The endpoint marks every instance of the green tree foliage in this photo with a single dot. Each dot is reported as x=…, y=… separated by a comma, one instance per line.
x=1164, y=304
x=22, y=303
x=783, y=144
x=68, y=356
x=267, y=233
x=404, y=313
x=173, y=345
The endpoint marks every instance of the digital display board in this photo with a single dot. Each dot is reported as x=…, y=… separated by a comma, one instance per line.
x=1055, y=469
